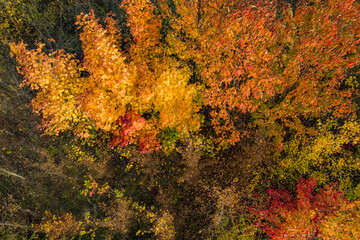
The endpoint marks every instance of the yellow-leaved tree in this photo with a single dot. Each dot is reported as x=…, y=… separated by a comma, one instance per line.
x=132, y=95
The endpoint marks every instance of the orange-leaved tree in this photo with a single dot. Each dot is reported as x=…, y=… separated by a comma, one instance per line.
x=132, y=95
x=265, y=59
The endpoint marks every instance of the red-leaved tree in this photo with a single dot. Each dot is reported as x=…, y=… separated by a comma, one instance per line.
x=326, y=214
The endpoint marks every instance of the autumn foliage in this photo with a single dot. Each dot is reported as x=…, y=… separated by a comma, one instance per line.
x=307, y=216
x=284, y=67
x=175, y=113
x=117, y=92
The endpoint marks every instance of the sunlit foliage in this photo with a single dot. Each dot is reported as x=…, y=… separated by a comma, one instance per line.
x=117, y=93
x=178, y=119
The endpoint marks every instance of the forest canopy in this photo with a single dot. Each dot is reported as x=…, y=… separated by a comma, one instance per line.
x=177, y=119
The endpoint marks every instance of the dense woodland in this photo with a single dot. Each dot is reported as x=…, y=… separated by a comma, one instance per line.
x=179, y=119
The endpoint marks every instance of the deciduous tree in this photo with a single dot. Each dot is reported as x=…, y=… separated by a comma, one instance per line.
x=120, y=88
x=263, y=59
x=309, y=215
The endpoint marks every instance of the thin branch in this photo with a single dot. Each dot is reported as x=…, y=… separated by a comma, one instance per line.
x=14, y=225
x=8, y=173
